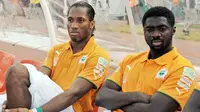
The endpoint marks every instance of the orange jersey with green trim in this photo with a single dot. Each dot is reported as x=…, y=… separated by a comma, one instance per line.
x=170, y=74
x=91, y=64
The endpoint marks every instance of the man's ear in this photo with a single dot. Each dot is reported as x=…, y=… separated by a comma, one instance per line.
x=174, y=30
x=92, y=24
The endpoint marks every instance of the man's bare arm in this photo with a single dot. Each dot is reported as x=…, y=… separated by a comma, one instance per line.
x=193, y=104
x=78, y=89
x=111, y=93
x=158, y=103
x=45, y=70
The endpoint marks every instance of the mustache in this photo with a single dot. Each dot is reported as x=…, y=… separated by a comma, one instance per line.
x=155, y=39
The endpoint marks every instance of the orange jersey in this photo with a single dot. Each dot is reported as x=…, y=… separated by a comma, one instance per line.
x=170, y=74
x=91, y=64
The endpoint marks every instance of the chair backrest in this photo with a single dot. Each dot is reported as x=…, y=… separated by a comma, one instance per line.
x=6, y=60
x=37, y=64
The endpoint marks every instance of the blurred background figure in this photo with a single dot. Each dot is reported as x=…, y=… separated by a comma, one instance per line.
x=190, y=15
x=35, y=3
x=102, y=11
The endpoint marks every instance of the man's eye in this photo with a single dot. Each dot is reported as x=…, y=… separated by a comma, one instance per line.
x=162, y=28
x=69, y=20
x=150, y=29
x=80, y=20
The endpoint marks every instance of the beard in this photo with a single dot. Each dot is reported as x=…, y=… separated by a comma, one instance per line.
x=78, y=39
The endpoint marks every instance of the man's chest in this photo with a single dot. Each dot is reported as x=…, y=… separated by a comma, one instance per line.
x=145, y=77
x=67, y=66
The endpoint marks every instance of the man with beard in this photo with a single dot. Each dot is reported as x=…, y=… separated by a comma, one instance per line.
x=76, y=69
x=159, y=80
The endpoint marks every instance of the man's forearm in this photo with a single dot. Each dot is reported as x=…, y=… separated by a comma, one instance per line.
x=77, y=90
x=112, y=99
x=59, y=103
x=136, y=107
x=45, y=70
x=147, y=107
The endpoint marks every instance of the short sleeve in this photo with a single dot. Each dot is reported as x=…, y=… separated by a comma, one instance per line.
x=95, y=70
x=48, y=62
x=117, y=75
x=179, y=85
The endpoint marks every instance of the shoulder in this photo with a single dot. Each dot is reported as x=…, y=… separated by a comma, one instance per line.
x=134, y=57
x=60, y=46
x=100, y=51
x=181, y=62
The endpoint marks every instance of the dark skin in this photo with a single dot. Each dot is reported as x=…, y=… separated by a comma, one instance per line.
x=111, y=93
x=44, y=70
x=80, y=30
x=193, y=104
x=158, y=35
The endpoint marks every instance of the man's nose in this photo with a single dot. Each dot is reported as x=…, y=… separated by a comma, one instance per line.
x=156, y=34
x=74, y=25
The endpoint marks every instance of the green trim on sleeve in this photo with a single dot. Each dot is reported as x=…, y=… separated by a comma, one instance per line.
x=39, y=109
x=95, y=87
x=46, y=67
x=114, y=82
x=197, y=90
x=170, y=97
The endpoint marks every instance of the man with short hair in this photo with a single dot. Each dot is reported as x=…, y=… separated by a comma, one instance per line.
x=159, y=80
x=77, y=70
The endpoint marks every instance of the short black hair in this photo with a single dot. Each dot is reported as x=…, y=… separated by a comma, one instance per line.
x=90, y=11
x=159, y=11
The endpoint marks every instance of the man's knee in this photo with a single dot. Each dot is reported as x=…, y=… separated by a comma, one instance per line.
x=17, y=84
x=17, y=74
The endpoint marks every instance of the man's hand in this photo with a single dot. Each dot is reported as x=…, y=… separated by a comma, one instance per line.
x=4, y=106
x=12, y=110
x=17, y=110
x=142, y=97
x=111, y=93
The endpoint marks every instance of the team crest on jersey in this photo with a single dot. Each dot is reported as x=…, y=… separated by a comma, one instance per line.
x=83, y=59
x=162, y=73
x=186, y=80
x=102, y=61
x=100, y=67
x=189, y=72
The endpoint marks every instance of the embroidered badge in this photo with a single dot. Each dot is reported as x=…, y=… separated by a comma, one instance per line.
x=162, y=73
x=83, y=59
